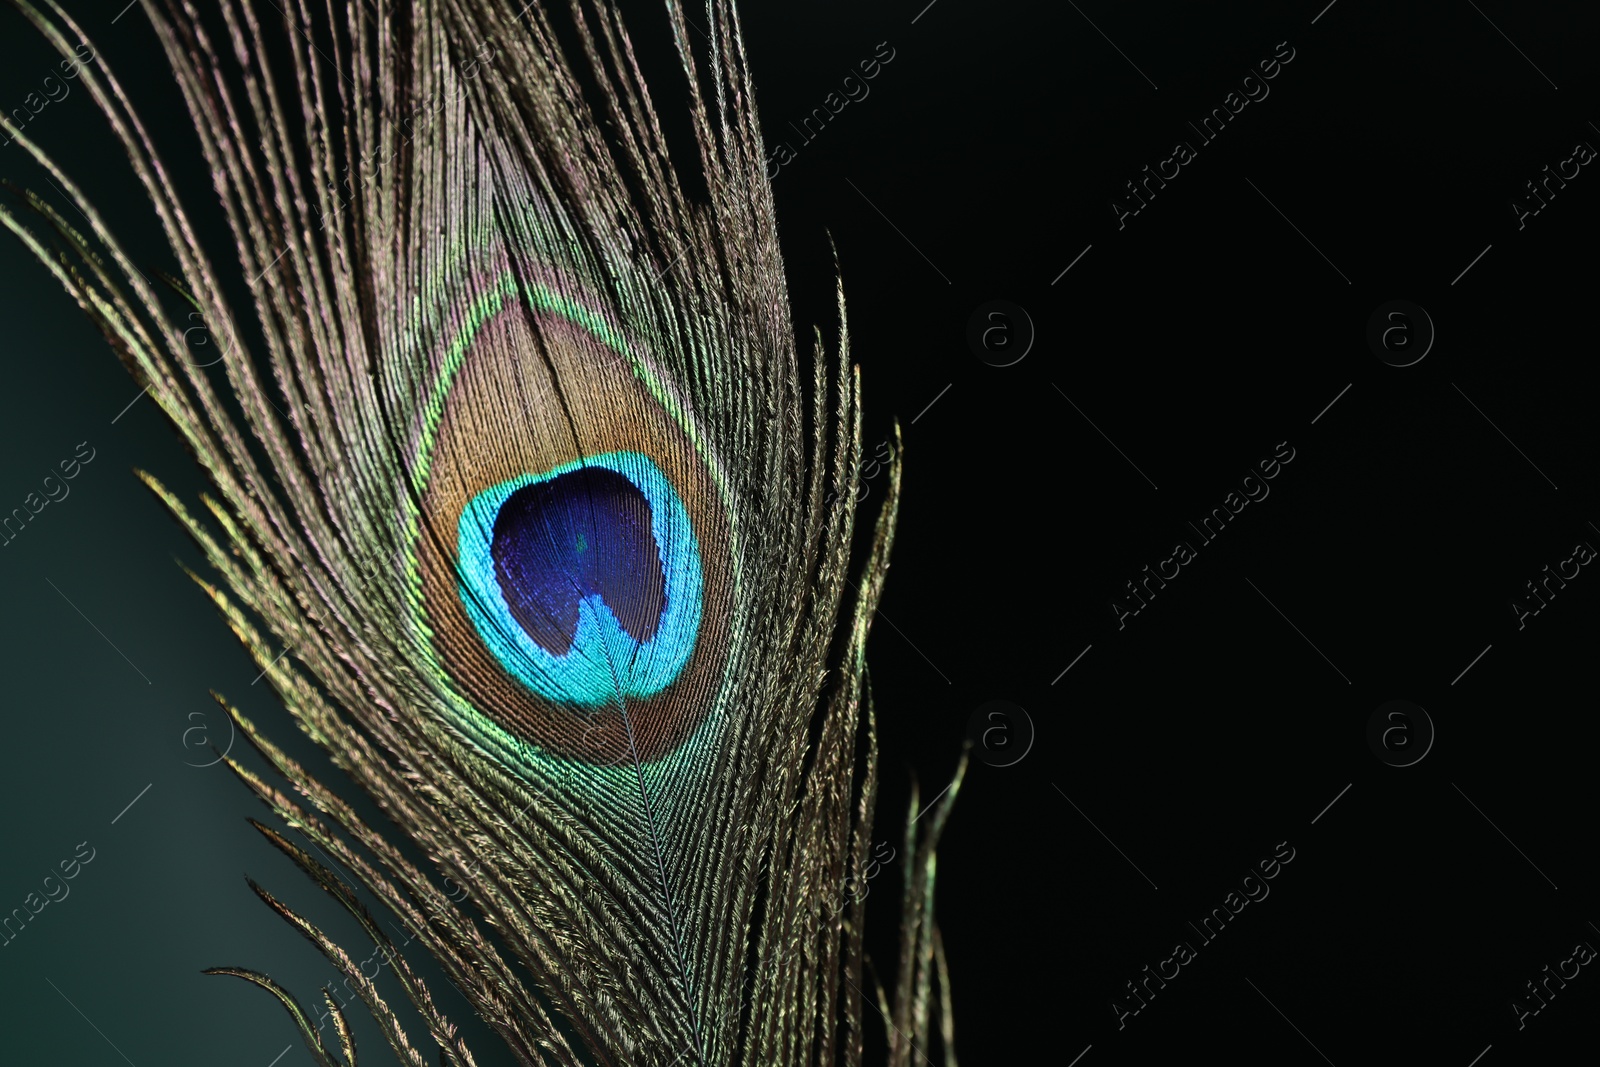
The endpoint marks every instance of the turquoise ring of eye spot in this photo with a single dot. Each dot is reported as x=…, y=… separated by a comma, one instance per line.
x=584, y=581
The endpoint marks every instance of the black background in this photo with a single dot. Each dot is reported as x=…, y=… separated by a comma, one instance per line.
x=1219, y=321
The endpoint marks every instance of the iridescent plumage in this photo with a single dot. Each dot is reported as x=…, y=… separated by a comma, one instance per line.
x=528, y=476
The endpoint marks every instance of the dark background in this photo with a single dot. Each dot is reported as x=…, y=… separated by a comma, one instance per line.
x=1177, y=751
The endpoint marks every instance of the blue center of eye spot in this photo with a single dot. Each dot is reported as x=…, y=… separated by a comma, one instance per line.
x=584, y=581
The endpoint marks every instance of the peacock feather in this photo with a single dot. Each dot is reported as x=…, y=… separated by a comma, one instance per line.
x=525, y=471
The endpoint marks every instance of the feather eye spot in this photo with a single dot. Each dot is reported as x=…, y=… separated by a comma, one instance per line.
x=584, y=581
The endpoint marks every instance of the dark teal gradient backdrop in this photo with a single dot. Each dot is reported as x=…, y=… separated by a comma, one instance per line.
x=108, y=652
